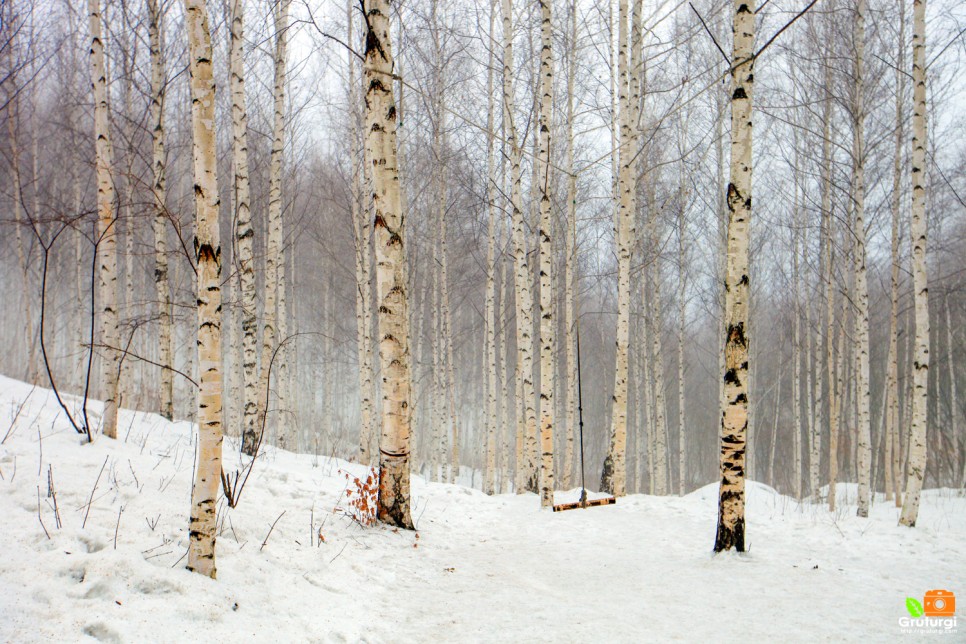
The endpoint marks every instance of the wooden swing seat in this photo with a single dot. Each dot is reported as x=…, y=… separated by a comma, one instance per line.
x=584, y=503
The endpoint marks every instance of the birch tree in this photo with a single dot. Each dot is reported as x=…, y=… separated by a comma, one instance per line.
x=204, y=492
x=920, y=392
x=526, y=417
x=489, y=484
x=391, y=282
x=286, y=439
x=274, y=271
x=864, y=454
x=162, y=287
x=613, y=479
x=362, y=230
x=570, y=261
x=891, y=456
x=545, y=233
x=734, y=415
x=106, y=229
x=244, y=231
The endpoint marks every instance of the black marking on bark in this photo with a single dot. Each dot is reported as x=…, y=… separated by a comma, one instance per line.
x=736, y=334
x=607, y=476
x=739, y=93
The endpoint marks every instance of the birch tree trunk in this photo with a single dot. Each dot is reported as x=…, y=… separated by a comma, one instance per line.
x=811, y=431
x=362, y=228
x=570, y=262
x=273, y=250
x=892, y=377
x=613, y=479
x=829, y=295
x=655, y=327
x=244, y=232
x=839, y=399
x=920, y=412
x=953, y=402
x=734, y=415
x=489, y=482
x=156, y=39
x=391, y=282
x=526, y=480
x=12, y=131
x=106, y=229
x=682, y=321
x=796, y=345
x=276, y=223
x=204, y=492
x=864, y=447
x=547, y=344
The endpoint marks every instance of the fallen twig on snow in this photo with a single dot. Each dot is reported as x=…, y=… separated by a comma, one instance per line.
x=270, y=531
x=93, y=489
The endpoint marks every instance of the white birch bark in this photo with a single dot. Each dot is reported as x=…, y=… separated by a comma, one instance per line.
x=613, y=478
x=734, y=415
x=17, y=180
x=489, y=482
x=284, y=435
x=106, y=225
x=796, y=346
x=244, y=231
x=829, y=296
x=273, y=251
x=162, y=287
x=863, y=444
x=570, y=264
x=811, y=431
x=391, y=281
x=953, y=402
x=545, y=233
x=526, y=480
x=362, y=229
x=204, y=492
x=892, y=491
x=839, y=402
x=683, y=195
x=920, y=413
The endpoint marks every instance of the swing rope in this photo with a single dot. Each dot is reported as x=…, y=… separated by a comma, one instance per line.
x=583, y=502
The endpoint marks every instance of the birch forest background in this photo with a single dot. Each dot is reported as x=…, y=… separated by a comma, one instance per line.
x=805, y=320
x=195, y=222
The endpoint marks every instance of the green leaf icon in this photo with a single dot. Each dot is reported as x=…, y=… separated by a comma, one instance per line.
x=914, y=607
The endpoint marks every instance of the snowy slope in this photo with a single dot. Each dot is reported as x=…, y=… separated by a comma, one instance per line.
x=481, y=569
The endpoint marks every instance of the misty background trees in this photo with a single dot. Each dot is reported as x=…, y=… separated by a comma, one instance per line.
x=833, y=194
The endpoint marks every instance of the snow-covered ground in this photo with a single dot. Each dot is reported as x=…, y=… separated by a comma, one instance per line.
x=478, y=569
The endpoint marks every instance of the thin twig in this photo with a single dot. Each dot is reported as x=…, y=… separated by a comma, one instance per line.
x=91, y=500
x=117, y=525
x=17, y=415
x=126, y=352
x=38, y=514
x=340, y=552
x=713, y=39
x=270, y=531
x=787, y=25
x=52, y=493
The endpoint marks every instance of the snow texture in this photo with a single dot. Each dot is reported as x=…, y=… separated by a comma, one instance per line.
x=478, y=568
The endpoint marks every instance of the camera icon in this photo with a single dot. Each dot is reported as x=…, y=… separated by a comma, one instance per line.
x=939, y=603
